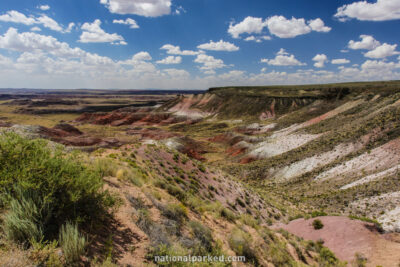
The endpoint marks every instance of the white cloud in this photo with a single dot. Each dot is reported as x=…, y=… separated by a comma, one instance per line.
x=44, y=7
x=379, y=65
x=71, y=26
x=29, y=41
x=142, y=56
x=320, y=60
x=176, y=50
x=177, y=73
x=278, y=26
x=36, y=29
x=257, y=39
x=93, y=33
x=248, y=25
x=382, y=51
x=379, y=11
x=170, y=60
x=283, y=58
x=49, y=23
x=250, y=38
x=287, y=28
x=5, y=61
x=147, y=8
x=318, y=25
x=179, y=10
x=367, y=42
x=219, y=46
x=339, y=61
x=131, y=22
x=17, y=17
x=209, y=62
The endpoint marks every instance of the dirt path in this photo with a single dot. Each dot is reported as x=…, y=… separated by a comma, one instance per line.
x=346, y=237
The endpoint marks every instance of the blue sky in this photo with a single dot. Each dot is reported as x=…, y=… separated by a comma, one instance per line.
x=196, y=44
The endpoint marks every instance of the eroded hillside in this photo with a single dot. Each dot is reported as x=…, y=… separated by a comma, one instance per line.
x=221, y=172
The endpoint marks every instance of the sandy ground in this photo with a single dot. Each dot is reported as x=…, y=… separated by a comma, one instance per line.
x=346, y=237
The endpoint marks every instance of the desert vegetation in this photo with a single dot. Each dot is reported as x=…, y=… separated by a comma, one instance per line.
x=219, y=173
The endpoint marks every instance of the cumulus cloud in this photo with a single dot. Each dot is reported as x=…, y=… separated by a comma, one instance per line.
x=382, y=51
x=219, y=46
x=287, y=28
x=93, y=33
x=146, y=8
x=257, y=39
x=70, y=27
x=36, y=29
x=320, y=60
x=170, y=60
x=176, y=50
x=277, y=25
x=177, y=73
x=283, y=58
x=377, y=50
x=379, y=11
x=44, y=7
x=49, y=23
x=29, y=41
x=131, y=22
x=340, y=61
x=318, y=25
x=141, y=56
x=367, y=42
x=209, y=62
x=248, y=25
x=17, y=17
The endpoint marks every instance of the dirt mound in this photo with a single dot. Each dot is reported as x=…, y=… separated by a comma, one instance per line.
x=5, y=124
x=67, y=128
x=188, y=146
x=132, y=117
x=69, y=135
x=150, y=133
x=346, y=237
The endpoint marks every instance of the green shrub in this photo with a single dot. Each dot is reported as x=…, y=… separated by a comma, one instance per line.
x=25, y=218
x=69, y=190
x=279, y=255
x=72, y=242
x=203, y=234
x=106, y=167
x=176, y=192
x=317, y=224
x=327, y=258
x=239, y=242
x=377, y=224
x=228, y=214
x=360, y=260
x=249, y=220
x=176, y=212
x=317, y=213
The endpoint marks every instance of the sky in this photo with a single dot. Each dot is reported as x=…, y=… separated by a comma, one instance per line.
x=196, y=44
